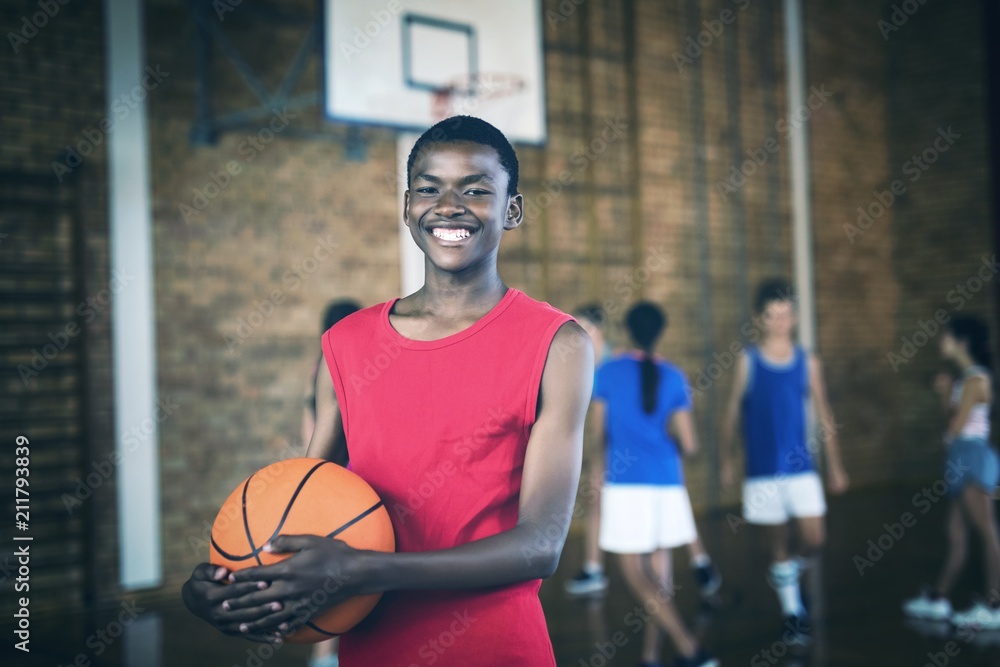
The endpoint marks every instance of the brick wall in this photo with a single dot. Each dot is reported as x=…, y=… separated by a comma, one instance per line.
x=52, y=93
x=941, y=226
x=235, y=365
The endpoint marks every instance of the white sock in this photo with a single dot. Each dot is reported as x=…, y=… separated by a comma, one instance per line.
x=701, y=560
x=590, y=567
x=784, y=579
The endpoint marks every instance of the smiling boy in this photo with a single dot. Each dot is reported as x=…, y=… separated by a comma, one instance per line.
x=477, y=360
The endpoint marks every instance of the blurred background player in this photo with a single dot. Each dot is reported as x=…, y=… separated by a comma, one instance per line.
x=642, y=411
x=335, y=311
x=325, y=653
x=773, y=384
x=971, y=472
x=591, y=579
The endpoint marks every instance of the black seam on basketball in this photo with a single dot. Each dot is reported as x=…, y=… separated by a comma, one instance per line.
x=310, y=624
x=231, y=556
x=291, y=501
x=356, y=519
x=246, y=523
x=254, y=550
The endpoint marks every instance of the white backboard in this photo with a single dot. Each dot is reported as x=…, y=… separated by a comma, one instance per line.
x=385, y=60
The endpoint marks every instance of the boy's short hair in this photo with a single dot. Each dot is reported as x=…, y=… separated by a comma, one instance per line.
x=775, y=289
x=592, y=312
x=468, y=128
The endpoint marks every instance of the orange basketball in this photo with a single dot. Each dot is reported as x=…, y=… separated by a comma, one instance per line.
x=303, y=497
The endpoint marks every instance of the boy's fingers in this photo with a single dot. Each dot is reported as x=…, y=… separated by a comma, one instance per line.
x=233, y=591
x=259, y=573
x=290, y=543
x=251, y=616
x=209, y=572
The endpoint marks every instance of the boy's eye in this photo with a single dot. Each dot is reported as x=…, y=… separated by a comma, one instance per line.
x=477, y=192
x=426, y=190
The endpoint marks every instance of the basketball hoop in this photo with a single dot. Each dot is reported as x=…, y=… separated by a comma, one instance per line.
x=474, y=96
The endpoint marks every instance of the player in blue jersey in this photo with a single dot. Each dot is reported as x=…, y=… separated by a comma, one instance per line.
x=591, y=579
x=774, y=382
x=642, y=415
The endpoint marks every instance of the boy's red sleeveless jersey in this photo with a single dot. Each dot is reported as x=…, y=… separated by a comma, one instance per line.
x=439, y=429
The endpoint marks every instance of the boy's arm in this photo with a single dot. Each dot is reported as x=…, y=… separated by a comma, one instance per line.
x=726, y=471
x=529, y=550
x=836, y=475
x=975, y=390
x=681, y=425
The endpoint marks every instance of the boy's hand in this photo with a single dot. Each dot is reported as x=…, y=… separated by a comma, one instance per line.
x=207, y=595
x=837, y=480
x=320, y=573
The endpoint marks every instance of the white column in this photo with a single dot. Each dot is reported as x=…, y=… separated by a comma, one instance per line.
x=133, y=332
x=411, y=260
x=795, y=83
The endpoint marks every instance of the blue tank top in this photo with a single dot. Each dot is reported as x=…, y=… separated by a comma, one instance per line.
x=639, y=448
x=774, y=416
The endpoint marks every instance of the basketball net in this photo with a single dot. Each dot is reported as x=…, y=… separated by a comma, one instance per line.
x=488, y=94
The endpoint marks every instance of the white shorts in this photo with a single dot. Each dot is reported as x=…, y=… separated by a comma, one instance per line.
x=641, y=518
x=774, y=500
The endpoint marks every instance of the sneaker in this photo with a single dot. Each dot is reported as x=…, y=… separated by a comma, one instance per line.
x=587, y=582
x=928, y=608
x=979, y=616
x=708, y=578
x=796, y=630
x=699, y=659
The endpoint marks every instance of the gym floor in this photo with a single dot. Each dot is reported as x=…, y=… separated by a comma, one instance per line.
x=859, y=622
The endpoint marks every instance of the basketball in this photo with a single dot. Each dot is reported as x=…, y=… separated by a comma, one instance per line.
x=303, y=496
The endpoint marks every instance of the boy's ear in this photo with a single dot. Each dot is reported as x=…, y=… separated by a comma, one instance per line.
x=406, y=208
x=515, y=212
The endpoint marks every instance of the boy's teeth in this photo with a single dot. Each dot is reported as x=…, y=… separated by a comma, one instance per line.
x=451, y=234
